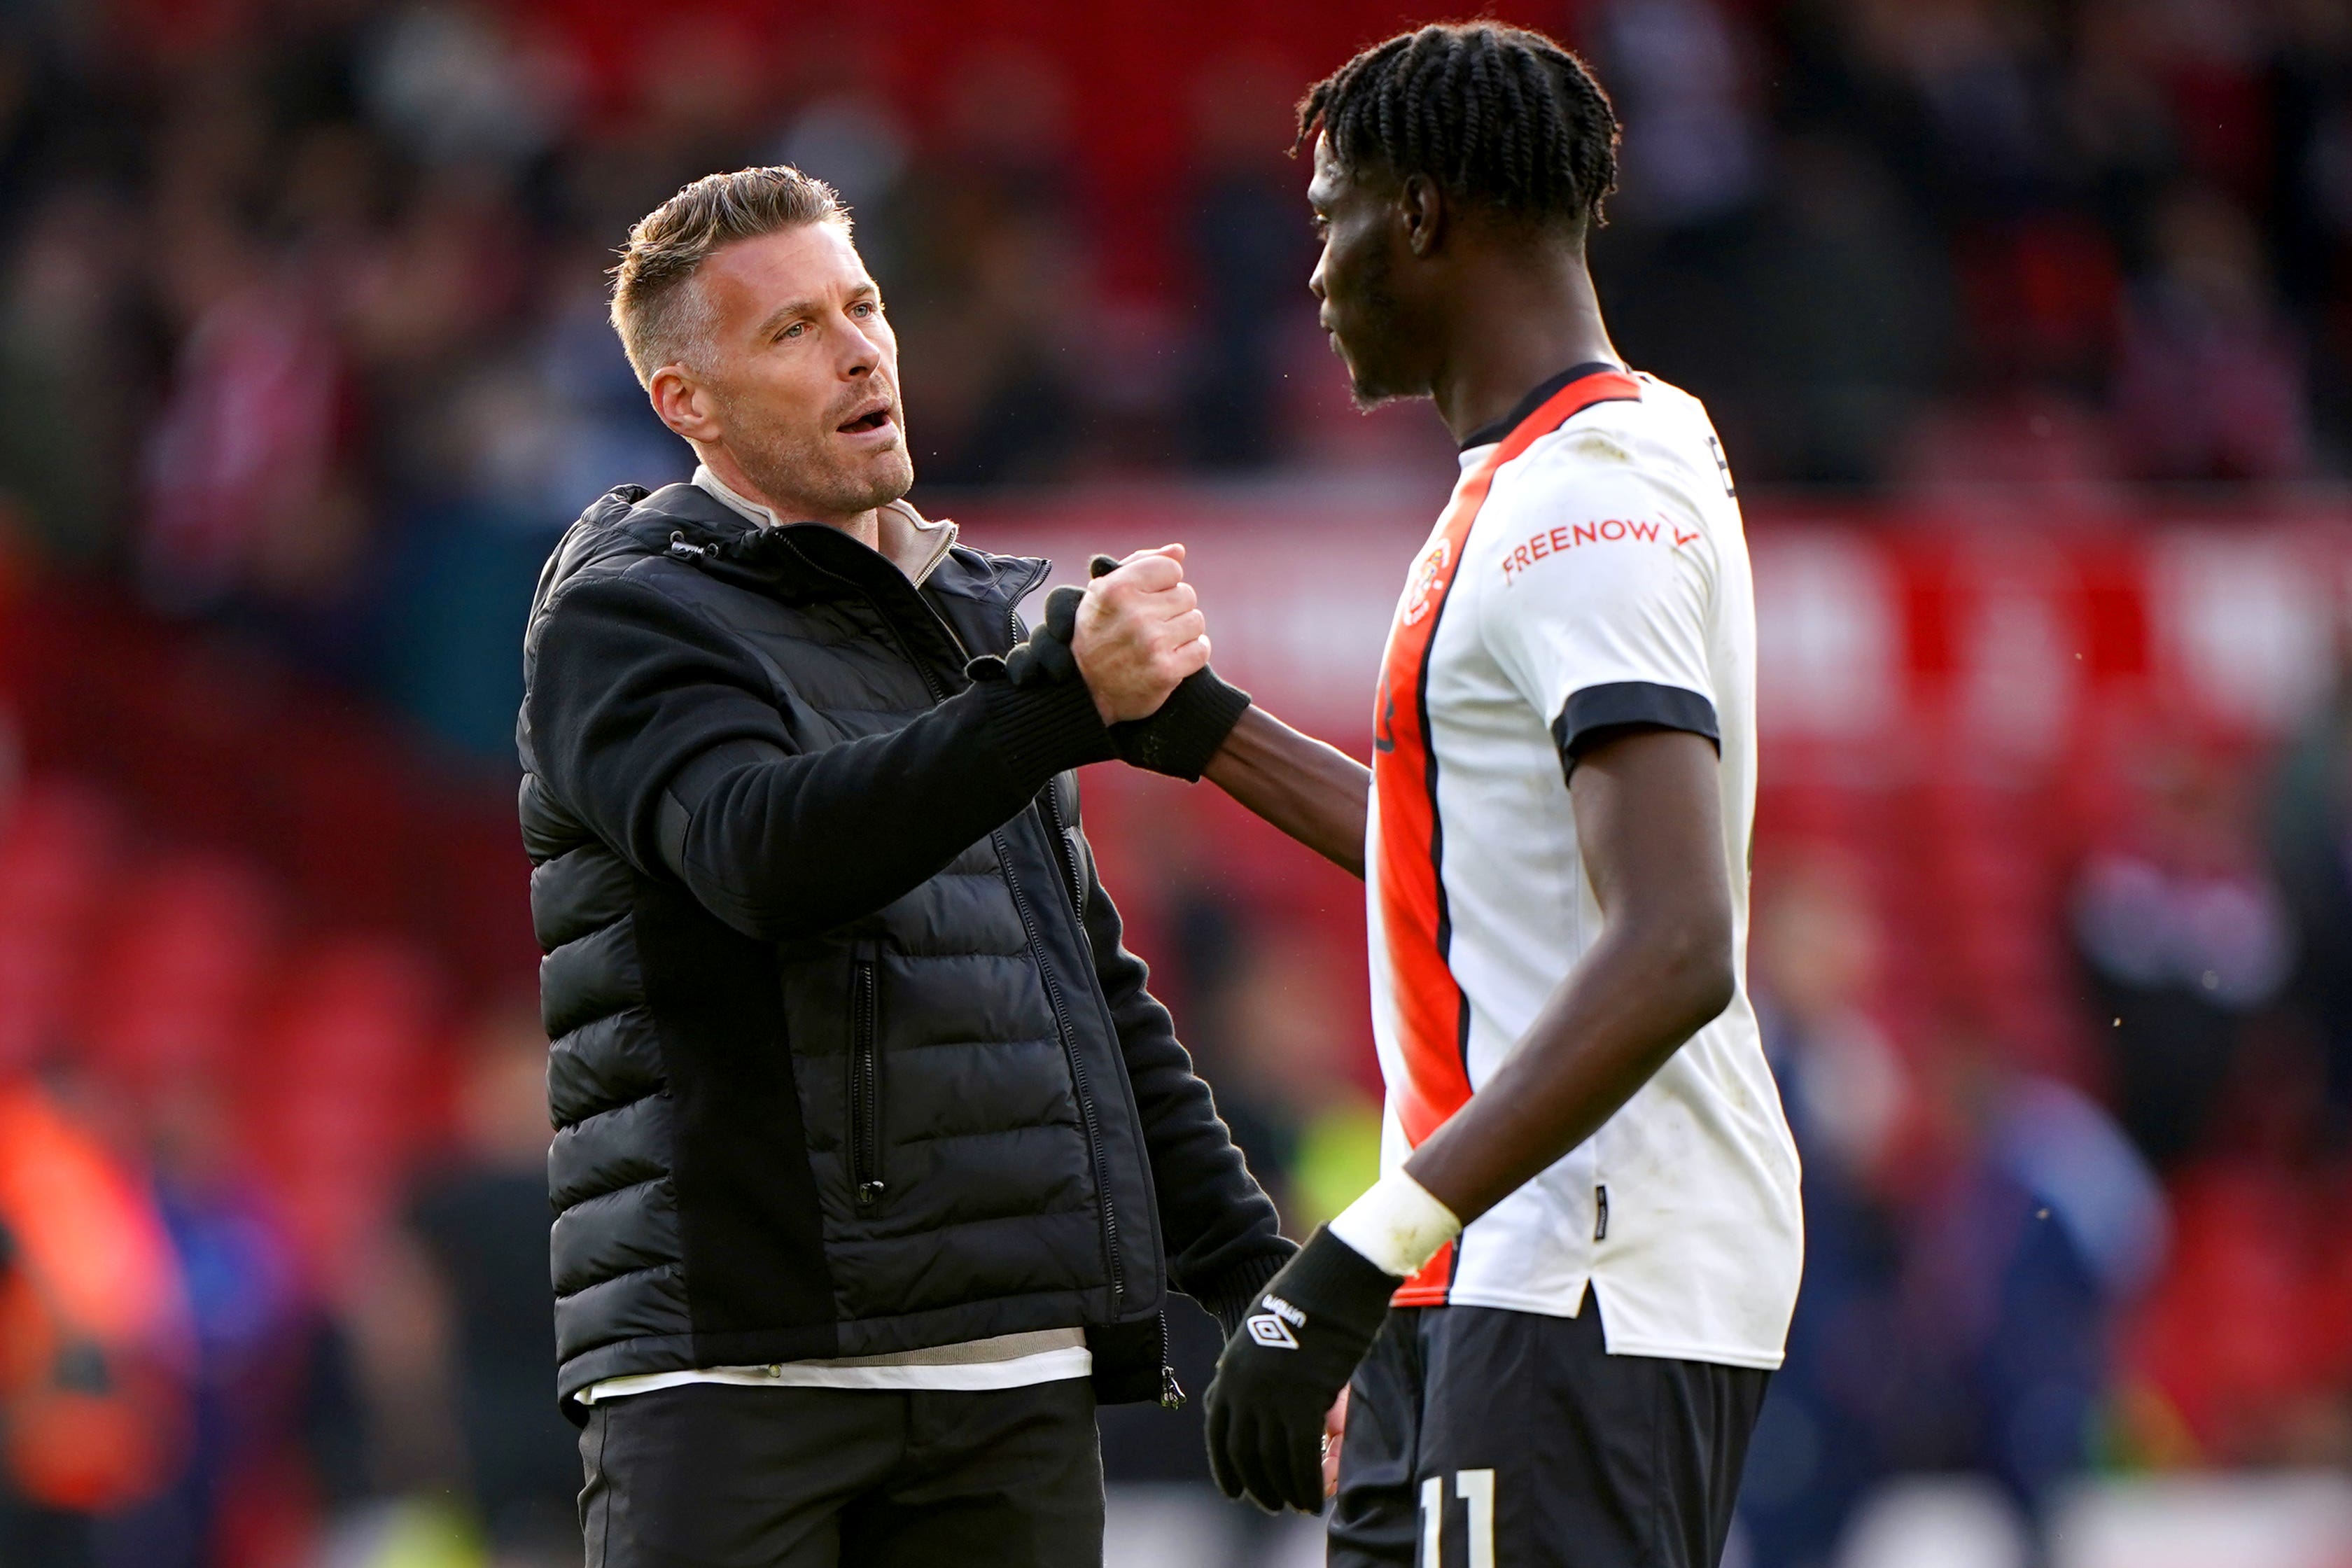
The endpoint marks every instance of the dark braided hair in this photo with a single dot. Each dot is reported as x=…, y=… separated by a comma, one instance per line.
x=1492, y=114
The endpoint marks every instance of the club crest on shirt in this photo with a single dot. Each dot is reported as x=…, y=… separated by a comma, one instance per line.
x=1425, y=587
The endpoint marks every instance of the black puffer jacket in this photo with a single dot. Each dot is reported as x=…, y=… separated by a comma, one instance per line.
x=847, y=1056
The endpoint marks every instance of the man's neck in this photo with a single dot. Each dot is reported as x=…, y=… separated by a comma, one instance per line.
x=1528, y=323
x=865, y=527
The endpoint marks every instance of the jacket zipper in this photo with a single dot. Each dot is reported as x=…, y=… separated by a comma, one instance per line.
x=1079, y=1082
x=865, y=1089
x=1171, y=1392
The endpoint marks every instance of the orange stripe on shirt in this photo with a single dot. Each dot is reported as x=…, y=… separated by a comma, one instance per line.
x=1433, y=1019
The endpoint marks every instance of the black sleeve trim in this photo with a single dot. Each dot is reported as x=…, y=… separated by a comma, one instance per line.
x=1587, y=716
x=1188, y=730
x=1229, y=1297
x=1043, y=729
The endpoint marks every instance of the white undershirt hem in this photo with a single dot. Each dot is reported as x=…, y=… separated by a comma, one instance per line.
x=1021, y=1371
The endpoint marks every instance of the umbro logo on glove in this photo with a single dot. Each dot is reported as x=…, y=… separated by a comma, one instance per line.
x=1271, y=1328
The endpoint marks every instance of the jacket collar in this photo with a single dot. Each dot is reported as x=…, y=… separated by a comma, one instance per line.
x=910, y=542
x=689, y=520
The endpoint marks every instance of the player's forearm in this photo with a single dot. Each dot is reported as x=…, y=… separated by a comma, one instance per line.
x=1315, y=793
x=1637, y=998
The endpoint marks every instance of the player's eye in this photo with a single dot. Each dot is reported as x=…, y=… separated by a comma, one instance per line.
x=794, y=331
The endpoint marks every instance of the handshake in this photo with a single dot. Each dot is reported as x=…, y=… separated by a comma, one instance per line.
x=1136, y=638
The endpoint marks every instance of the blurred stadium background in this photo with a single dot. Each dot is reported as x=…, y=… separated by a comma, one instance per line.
x=2028, y=324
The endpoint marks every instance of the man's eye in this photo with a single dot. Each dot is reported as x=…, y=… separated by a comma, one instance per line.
x=796, y=329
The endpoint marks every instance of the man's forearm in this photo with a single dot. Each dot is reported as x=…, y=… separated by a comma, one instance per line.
x=793, y=844
x=1314, y=791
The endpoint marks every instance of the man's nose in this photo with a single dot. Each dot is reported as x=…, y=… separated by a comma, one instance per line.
x=1315, y=278
x=862, y=352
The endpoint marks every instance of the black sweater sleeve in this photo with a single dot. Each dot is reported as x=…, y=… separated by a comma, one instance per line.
x=663, y=733
x=1224, y=1240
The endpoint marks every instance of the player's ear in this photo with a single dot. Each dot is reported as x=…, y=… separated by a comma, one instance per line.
x=683, y=404
x=1421, y=208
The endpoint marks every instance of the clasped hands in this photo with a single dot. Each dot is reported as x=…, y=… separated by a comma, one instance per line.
x=1137, y=632
x=1136, y=638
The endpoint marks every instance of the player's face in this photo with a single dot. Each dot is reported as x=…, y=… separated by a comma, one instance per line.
x=803, y=373
x=1355, y=280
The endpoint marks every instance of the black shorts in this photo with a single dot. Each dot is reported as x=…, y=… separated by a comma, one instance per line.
x=1478, y=1437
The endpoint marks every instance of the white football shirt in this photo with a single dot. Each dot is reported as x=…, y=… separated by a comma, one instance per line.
x=1589, y=571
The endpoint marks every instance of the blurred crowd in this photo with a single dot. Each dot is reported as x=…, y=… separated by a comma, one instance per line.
x=302, y=346
x=2124, y=1251
x=1965, y=240
x=273, y=1225
x=273, y=1284
x=301, y=304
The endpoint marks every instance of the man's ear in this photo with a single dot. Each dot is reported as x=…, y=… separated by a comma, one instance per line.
x=1421, y=207
x=683, y=404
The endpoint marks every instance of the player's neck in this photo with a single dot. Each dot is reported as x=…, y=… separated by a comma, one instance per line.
x=1526, y=325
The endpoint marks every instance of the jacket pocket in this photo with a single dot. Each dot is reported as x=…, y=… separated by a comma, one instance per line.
x=865, y=1076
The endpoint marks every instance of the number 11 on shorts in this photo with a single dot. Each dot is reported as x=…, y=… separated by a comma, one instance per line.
x=1475, y=1488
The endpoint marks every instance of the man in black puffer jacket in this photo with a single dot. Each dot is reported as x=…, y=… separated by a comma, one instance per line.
x=875, y=1160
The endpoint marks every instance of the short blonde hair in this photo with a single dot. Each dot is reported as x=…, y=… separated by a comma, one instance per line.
x=661, y=320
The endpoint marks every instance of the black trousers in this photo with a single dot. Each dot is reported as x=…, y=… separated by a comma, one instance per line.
x=1478, y=1437
x=712, y=1476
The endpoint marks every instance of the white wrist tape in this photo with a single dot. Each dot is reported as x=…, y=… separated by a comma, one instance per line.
x=1397, y=1225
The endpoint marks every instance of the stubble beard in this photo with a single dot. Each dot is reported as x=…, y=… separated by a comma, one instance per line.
x=803, y=476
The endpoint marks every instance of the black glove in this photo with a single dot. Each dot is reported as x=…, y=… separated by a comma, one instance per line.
x=1285, y=1366
x=1046, y=659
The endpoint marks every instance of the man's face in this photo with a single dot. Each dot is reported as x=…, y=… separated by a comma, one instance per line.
x=1355, y=278
x=803, y=373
